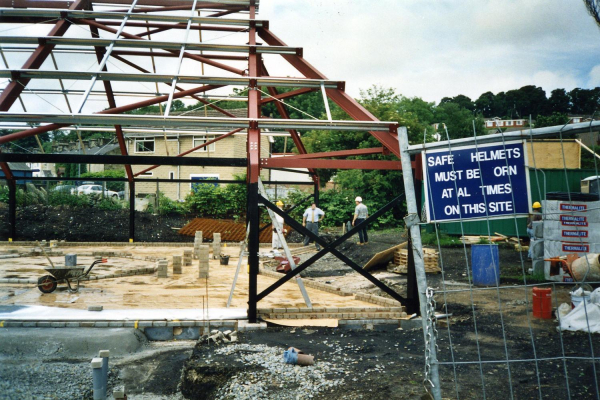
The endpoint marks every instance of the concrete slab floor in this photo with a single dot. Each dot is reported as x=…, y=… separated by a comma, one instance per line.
x=149, y=291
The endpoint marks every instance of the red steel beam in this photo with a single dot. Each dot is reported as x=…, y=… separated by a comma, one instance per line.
x=12, y=91
x=342, y=99
x=186, y=54
x=193, y=149
x=284, y=162
x=67, y=3
x=285, y=115
x=7, y=172
x=118, y=110
x=286, y=95
x=254, y=111
x=341, y=153
x=200, y=99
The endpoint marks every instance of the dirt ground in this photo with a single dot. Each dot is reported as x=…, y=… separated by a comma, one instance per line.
x=91, y=225
x=486, y=327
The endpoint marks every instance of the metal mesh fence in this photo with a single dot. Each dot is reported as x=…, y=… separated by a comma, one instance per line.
x=487, y=339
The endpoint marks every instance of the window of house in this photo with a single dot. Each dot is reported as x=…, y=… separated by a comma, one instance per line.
x=489, y=123
x=200, y=140
x=171, y=175
x=144, y=145
x=509, y=123
x=147, y=174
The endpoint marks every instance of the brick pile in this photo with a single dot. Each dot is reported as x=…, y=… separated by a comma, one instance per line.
x=203, y=259
x=216, y=245
x=162, y=266
x=197, y=243
x=187, y=257
x=177, y=265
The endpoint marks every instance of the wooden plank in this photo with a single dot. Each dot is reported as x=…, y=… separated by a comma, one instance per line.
x=383, y=257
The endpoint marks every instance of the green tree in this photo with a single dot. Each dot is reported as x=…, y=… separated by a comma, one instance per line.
x=484, y=104
x=552, y=120
x=458, y=121
x=559, y=101
x=585, y=101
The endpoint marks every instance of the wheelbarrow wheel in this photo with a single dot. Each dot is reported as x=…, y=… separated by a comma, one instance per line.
x=47, y=284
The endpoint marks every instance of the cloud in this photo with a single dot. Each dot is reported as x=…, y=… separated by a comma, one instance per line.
x=594, y=80
x=442, y=48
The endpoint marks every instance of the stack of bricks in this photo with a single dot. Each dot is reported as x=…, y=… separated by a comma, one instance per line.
x=177, y=264
x=187, y=257
x=197, y=243
x=162, y=266
x=203, y=256
x=216, y=245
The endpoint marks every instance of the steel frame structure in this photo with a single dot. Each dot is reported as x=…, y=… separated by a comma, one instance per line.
x=151, y=17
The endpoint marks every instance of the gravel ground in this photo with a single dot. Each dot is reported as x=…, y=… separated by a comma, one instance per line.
x=48, y=380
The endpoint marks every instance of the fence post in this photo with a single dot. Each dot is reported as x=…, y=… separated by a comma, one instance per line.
x=131, y=211
x=412, y=223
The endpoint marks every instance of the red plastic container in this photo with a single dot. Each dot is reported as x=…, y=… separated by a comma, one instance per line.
x=542, y=303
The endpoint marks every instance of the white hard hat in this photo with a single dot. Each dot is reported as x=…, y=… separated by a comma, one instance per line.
x=358, y=198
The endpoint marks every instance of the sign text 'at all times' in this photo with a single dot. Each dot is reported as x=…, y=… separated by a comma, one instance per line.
x=476, y=182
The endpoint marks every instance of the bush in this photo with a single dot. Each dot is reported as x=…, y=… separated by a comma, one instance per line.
x=227, y=202
x=67, y=199
x=108, y=204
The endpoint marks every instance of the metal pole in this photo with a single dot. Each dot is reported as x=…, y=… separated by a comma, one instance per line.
x=252, y=219
x=316, y=193
x=131, y=211
x=412, y=289
x=412, y=222
x=12, y=209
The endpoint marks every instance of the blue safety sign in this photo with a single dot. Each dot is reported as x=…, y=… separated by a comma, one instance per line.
x=476, y=182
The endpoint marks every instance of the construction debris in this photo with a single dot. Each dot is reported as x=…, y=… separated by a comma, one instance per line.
x=230, y=231
x=400, y=265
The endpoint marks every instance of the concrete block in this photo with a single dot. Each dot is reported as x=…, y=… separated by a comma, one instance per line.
x=129, y=324
x=159, y=323
x=188, y=323
x=72, y=325
x=101, y=324
x=115, y=324
x=57, y=324
x=174, y=323
x=415, y=323
x=159, y=333
x=29, y=324
x=186, y=333
x=144, y=324
x=95, y=308
x=119, y=392
x=13, y=324
x=43, y=325
x=245, y=326
x=87, y=324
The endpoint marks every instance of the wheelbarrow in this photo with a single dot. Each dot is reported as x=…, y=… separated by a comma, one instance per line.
x=48, y=283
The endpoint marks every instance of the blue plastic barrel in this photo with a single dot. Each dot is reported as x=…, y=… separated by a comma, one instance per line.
x=485, y=263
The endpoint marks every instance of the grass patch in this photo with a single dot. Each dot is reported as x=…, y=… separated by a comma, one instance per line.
x=431, y=239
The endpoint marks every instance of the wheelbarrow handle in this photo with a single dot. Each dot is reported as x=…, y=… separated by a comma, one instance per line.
x=102, y=261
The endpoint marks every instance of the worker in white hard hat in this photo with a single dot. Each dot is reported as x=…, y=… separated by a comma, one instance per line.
x=277, y=244
x=535, y=216
x=361, y=213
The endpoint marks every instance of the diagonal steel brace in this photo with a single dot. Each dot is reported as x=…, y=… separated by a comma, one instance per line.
x=329, y=248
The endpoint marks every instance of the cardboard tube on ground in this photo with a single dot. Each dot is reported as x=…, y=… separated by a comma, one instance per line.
x=579, y=268
x=305, y=359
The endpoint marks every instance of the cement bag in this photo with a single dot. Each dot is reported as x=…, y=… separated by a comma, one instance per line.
x=580, y=267
x=576, y=319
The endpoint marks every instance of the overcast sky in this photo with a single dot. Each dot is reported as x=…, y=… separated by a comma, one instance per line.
x=429, y=49
x=437, y=48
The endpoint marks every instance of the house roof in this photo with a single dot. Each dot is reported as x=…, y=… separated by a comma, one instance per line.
x=100, y=150
x=18, y=166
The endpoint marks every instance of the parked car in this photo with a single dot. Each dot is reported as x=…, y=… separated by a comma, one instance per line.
x=96, y=189
x=65, y=189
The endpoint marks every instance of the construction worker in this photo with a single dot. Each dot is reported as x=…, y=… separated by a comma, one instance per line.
x=310, y=219
x=361, y=212
x=536, y=216
x=275, y=241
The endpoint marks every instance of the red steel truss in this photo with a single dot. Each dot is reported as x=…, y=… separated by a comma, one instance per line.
x=131, y=31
